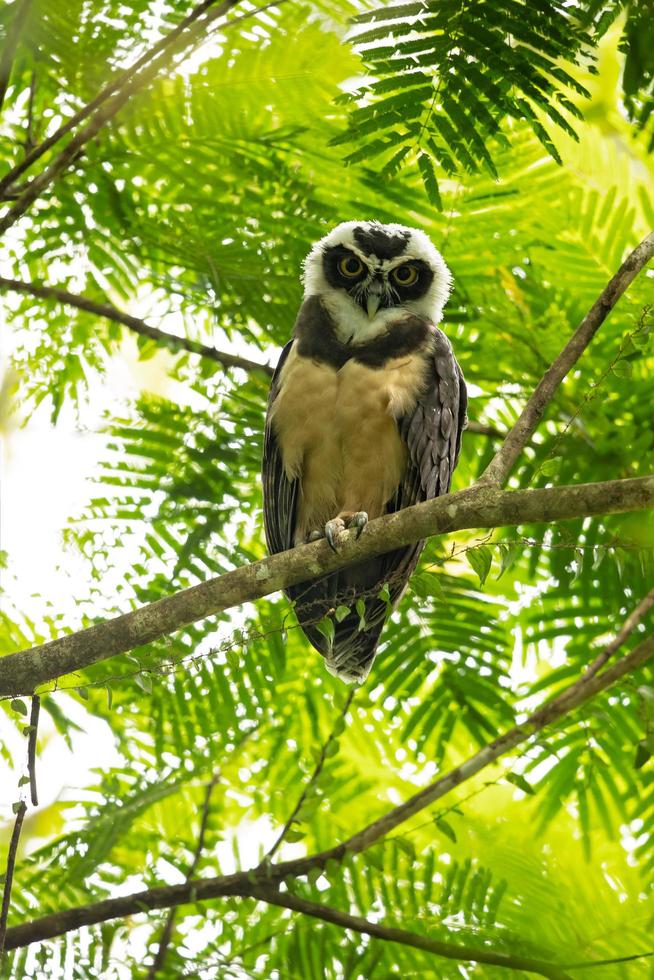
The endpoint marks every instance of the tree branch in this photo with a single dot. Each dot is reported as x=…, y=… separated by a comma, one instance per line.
x=502, y=463
x=121, y=80
x=314, y=776
x=631, y=622
x=11, y=44
x=450, y=951
x=9, y=873
x=110, y=312
x=477, y=507
x=265, y=877
x=178, y=39
x=169, y=925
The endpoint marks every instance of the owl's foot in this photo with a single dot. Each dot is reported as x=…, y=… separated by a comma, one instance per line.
x=332, y=530
x=358, y=520
x=315, y=536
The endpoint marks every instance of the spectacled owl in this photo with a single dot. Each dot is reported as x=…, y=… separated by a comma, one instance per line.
x=366, y=410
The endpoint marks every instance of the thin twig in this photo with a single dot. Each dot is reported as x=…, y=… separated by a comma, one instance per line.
x=31, y=748
x=167, y=931
x=627, y=628
x=29, y=132
x=241, y=883
x=314, y=776
x=9, y=873
x=502, y=463
x=10, y=46
x=110, y=312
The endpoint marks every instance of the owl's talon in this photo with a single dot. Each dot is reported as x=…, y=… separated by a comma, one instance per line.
x=315, y=536
x=332, y=530
x=359, y=521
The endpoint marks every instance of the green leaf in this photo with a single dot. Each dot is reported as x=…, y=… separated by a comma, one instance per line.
x=623, y=369
x=18, y=706
x=327, y=628
x=445, y=828
x=517, y=780
x=643, y=754
x=480, y=560
x=551, y=467
x=341, y=612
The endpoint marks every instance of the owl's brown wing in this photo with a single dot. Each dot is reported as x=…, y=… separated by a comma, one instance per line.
x=279, y=493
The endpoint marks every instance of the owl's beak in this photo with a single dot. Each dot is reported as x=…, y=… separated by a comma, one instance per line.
x=373, y=300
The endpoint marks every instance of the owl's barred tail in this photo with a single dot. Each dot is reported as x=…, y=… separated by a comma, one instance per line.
x=349, y=654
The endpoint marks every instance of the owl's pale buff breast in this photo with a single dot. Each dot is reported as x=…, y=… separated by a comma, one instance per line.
x=338, y=434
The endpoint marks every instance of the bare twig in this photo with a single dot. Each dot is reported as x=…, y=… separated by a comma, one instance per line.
x=11, y=44
x=169, y=925
x=9, y=873
x=502, y=463
x=110, y=312
x=31, y=748
x=450, y=951
x=314, y=776
x=242, y=883
x=631, y=622
x=478, y=507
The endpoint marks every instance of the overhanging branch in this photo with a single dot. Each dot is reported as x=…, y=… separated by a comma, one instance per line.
x=477, y=507
x=138, y=326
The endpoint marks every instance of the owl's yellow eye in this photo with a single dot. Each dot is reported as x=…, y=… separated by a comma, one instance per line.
x=405, y=275
x=350, y=267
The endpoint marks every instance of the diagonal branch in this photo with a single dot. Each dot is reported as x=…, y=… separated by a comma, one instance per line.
x=138, y=326
x=634, y=618
x=183, y=37
x=356, y=923
x=502, y=463
x=314, y=776
x=477, y=507
x=242, y=883
x=21, y=809
x=10, y=46
x=110, y=312
x=169, y=925
x=118, y=83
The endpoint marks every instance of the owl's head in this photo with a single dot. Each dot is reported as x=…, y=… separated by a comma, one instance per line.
x=369, y=273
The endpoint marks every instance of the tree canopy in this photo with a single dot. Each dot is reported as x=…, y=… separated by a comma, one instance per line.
x=484, y=805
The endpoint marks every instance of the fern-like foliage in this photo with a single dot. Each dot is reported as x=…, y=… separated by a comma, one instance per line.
x=448, y=74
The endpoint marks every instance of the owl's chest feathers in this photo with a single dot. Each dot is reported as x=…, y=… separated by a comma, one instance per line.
x=338, y=434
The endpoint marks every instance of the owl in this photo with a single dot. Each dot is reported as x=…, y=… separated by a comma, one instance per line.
x=365, y=415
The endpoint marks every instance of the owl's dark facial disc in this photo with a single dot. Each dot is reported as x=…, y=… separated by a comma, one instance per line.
x=407, y=281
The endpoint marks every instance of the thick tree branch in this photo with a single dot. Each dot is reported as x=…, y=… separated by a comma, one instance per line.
x=502, y=463
x=12, y=38
x=178, y=39
x=110, y=312
x=265, y=877
x=477, y=507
